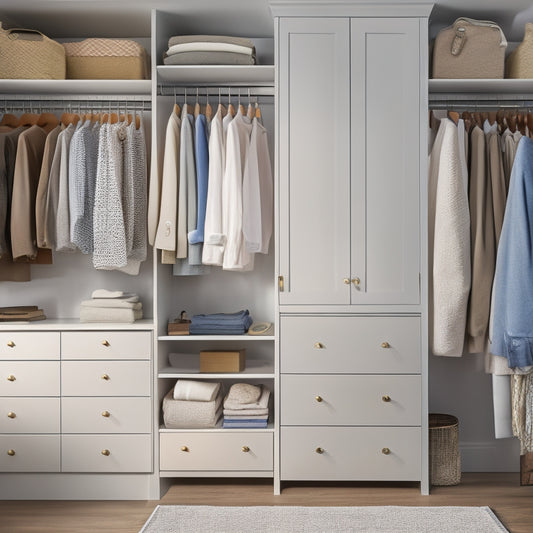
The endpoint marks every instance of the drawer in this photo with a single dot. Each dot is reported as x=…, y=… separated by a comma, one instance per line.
x=335, y=400
x=106, y=344
x=193, y=450
x=106, y=453
x=32, y=345
x=329, y=345
x=351, y=453
x=29, y=415
x=106, y=415
x=29, y=378
x=32, y=453
x=105, y=378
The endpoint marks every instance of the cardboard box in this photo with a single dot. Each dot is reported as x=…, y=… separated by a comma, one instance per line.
x=222, y=360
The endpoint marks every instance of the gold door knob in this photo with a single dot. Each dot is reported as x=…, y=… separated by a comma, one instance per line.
x=11, y=344
x=319, y=450
x=346, y=281
x=105, y=377
x=11, y=414
x=318, y=345
x=385, y=451
x=106, y=343
x=106, y=414
x=385, y=344
x=245, y=449
x=356, y=281
x=11, y=452
x=318, y=398
x=386, y=398
x=105, y=452
x=184, y=449
x=11, y=377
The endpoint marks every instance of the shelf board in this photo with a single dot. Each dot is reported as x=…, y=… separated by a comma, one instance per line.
x=246, y=338
x=75, y=324
x=218, y=429
x=255, y=368
x=76, y=87
x=224, y=75
x=521, y=87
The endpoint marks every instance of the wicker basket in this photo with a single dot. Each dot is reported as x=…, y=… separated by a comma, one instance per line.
x=444, y=457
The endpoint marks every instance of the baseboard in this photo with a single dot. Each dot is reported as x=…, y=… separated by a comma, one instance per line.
x=499, y=455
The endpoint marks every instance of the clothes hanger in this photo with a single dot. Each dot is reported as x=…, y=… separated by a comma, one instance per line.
x=500, y=119
x=491, y=117
x=208, y=108
x=177, y=108
x=47, y=121
x=197, y=109
x=9, y=119
x=28, y=119
x=68, y=118
x=522, y=123
x=241, y=107
x=454, y=116
x=511, y=121
x=231, y=109
x=529, y=123
x=467, y=119
x=250, y=111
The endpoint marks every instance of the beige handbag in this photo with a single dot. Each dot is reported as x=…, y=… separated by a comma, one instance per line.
x=519, y=63
x=28, y=54
x=469, y=49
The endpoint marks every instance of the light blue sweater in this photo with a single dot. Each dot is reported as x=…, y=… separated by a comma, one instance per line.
x=512, y=335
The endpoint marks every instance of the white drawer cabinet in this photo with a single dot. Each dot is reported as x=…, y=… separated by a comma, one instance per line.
x=234, y=451
x=106, y=345
x=29, y=415
x=29, y=453
x=106, y=453
x=338, y=453
x=333, y=345
x=29, y=378
x=17, y=345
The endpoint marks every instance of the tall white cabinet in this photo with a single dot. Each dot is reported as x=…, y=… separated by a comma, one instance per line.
x=352, y=82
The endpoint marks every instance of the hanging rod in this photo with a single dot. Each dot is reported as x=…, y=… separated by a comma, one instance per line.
x=215, y=90
x=55, y=104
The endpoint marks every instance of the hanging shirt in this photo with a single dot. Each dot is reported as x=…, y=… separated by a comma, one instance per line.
x=258, y=191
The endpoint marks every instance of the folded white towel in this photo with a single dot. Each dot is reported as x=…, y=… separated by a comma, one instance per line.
x=104, y=293
x=262, y=403
x=109, y=314
x=209, y=47
x=197, y=391
x=245, y=412
x=117, y=303
x=188, y=414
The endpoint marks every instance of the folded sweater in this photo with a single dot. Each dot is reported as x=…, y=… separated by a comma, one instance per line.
x=244, y=393
x=262, y=403
x=180, y=39
x=198, y=391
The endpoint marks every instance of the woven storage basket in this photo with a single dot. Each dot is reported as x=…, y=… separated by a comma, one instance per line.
x=28, y=54
x=519, y=63
x=444, y=457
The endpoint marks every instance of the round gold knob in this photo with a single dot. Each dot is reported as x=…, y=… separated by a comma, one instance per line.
x=11, y=452
x=385, y=451
x=106, y=414
x=356, y=281
x=105, y=377
x=11, y=377
x=184, y=449
x=346, y=281
x=385, y=344
x=386, y=398
x=318, y=398
x=106, y=343
x=11, y=414
x=11, y=344
x=318, y=345
x=245, y=449
x=105, y=452
x=319, y=450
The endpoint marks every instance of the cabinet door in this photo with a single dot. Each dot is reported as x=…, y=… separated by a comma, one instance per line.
x=385, y=95
x=314, y=159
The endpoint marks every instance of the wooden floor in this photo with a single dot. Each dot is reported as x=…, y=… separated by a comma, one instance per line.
x=511, y=503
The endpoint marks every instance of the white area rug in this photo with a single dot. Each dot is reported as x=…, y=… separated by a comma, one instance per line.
x=285, y=519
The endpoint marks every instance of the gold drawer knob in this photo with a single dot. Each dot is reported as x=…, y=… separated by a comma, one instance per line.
x=11, y=452
x=385, y=344
x=184, y=449
x=346, y=281
x=319, y=399
x=11, y=414
x=245, y=449
x=386, y=398
x=319, y=450
x=105, y=377
x=385, y=451
x=106, y=343
x=318, y=345
x=11, y=344
x=11, y=377
x=356, y=281
x=106, y=414
x=105, y=452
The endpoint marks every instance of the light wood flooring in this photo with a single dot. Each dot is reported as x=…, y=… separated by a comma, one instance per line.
x=511, y=503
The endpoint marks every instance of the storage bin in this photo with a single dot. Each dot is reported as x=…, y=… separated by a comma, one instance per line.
x=444, y=456
x=519, y=63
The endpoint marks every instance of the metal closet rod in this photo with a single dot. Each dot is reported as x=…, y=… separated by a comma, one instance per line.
x=214, y=90
x=480, y=105
x=57, y=104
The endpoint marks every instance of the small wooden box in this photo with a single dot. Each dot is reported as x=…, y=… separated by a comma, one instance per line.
x=222, y=360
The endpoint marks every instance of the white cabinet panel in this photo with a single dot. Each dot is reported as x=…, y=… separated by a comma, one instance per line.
x=17, y=345
x=29, y=378
x=106, y=345
x=29, y=453
x=29, y=415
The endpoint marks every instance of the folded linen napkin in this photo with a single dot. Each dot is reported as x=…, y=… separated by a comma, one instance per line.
x=109, y=314
x=120, y=303
x=239, y=412
x=104, y=293
x=197, y=391
x=262, y=403
x=180, y=39
x=243, y=393
x=190, y=414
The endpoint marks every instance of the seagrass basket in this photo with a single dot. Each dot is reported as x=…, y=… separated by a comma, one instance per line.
x=444, y=456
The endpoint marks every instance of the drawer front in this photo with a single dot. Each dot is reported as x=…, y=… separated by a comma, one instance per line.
x=332, y=400
x=19, y=345
x=329, y=345
x=106, y=344
x=29, y=378
x=351, y=453
x=216, y=451
x=29, y=415
x=106, y=415
x=88, y=453
x=32, y=453
x=105, y=378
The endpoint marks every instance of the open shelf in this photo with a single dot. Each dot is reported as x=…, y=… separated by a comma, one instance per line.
x=76, y=87
x=219, y=428
x=247, y=338
x=68, y=324
x=223, y=75
x=255, y=368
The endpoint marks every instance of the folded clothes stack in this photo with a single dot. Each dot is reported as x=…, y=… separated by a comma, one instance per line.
x=221, y=323
x=24, y=313
x=111, y=306
x=209, y=50
x=192, y=404
x=246, y=406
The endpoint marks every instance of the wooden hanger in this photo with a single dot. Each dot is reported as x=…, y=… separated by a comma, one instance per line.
x=28, y=119
x=454, y=116
x=522, y=122
x=47, y=121
x=491, y=117
x=467, y=119
x=177, y=109
x=500, y=119
x=69, y=118
x=257, y=113
x=529, y=123
x=511, y=121
x=9, y=120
